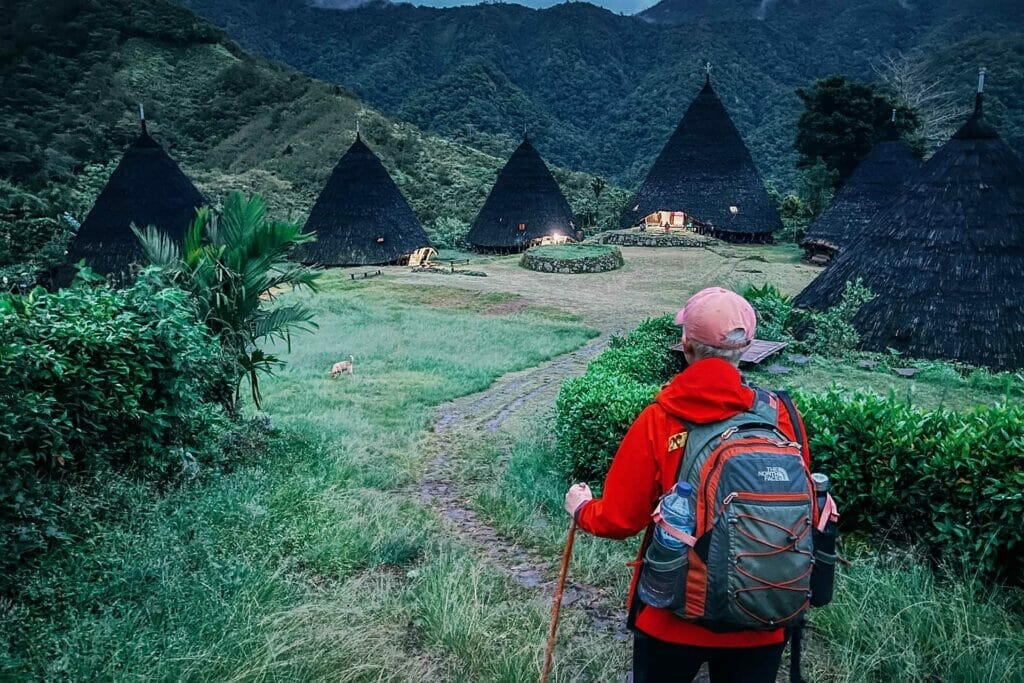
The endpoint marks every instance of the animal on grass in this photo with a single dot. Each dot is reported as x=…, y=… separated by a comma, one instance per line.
x=343, y=366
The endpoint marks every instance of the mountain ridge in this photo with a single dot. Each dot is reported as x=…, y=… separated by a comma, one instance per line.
x=74, y=72
x=601, y=92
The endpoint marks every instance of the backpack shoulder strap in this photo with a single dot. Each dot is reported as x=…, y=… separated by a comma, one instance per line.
x=699, y=437
x=766, y=406
x=794, y=418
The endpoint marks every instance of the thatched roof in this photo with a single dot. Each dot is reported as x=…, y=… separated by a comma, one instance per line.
x=525, y=204
x=945, y=259
x=146, y=188
x=703, y=170
x=361, y=217
x=878, y=179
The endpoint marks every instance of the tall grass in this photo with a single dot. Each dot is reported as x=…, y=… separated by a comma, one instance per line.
x=894, y=619
x=293, y=566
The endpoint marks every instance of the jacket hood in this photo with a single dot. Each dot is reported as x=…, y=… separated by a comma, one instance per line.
x=710, y=390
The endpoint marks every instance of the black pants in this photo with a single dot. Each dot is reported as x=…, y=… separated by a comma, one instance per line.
x=655, y=661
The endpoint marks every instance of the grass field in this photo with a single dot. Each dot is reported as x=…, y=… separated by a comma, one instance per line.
x=571, y=251
x=317, y=562
x=330, y=558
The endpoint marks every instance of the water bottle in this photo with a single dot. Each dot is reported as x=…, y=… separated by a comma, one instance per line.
x=823, y=574
x=666, y=558
x=679, y=512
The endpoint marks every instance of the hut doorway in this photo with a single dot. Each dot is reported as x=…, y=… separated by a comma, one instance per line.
x=669, y=221
x=554, y=238
x=421, y=257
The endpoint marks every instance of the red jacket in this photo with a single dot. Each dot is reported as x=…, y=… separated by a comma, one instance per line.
x=644, y=469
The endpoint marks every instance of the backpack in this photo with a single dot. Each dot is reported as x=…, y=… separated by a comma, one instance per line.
x=748, y=564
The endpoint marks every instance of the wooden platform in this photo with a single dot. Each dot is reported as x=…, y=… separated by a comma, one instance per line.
x=758, y=351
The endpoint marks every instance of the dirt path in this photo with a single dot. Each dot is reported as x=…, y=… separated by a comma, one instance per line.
x=442, y=489
x=654, y=282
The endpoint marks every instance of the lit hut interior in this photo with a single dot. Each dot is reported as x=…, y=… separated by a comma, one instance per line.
x=147, y=188
x=945, y=259
x=525, y=207
x=878, y=180
x=705, y=180
x=361, y=217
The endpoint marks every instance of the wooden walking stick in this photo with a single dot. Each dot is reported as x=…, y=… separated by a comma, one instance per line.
x=557, y=605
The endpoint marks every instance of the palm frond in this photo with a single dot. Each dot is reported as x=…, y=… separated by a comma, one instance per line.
x=158, y=247
x=275, y=323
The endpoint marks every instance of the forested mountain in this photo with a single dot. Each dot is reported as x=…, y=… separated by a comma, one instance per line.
x=73, y=71
x=601, y=92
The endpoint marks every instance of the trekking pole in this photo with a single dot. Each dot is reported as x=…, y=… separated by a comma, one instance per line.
x=557, y=605
x=795, y=652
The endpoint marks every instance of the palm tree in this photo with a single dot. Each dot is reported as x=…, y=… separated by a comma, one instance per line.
x=234, y=263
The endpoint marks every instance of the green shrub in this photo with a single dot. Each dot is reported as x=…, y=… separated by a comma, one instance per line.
x=595, y=410
x=832, y=332
x=951, y=480
x=94, y=378
x=774, y=312
x=447, y=232
x=948, y=480
x=652, y=340
x=234, y=263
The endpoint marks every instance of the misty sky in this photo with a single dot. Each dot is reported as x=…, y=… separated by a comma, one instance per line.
x=623, y=6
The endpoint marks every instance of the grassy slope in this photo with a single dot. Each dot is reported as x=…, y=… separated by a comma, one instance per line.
x=319, y=562
x=316, y=563
x=75, y=70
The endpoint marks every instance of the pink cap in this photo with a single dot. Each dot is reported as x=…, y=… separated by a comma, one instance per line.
x=714, y=314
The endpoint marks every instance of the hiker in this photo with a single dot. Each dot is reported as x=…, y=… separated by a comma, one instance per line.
x=718, y=326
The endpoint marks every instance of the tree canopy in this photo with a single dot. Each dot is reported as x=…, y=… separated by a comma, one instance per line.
x=843, y=120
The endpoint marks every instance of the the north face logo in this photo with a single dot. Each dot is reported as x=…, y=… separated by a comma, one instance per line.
x=773, y=474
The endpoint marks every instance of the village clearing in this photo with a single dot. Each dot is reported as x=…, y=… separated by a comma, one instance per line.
x=406, y=524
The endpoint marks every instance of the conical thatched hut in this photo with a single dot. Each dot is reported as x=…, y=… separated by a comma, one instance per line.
x=525, y=206
x=361, y=217
x=705, y=179
x=147, y=188
x=879, y=178
x=945, y=259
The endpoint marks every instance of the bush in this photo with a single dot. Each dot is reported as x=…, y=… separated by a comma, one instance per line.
x=447, y=232
x=950, y=481
x=95, y=378
x=595, y=410
x=832, y=332
x=774, y=312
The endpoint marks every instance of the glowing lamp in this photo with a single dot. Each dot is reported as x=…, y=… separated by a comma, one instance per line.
x=734, y=210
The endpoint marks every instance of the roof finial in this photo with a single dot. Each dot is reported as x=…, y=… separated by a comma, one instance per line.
x=142, y=117
x=893, y=119
x=707, y=73
x=981, y=90
x=357, y=128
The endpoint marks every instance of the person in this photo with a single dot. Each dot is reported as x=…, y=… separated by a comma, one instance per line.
x=718, y=326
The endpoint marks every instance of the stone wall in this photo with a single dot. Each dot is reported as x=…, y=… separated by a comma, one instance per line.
x=589, y=264
x=630, y=238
